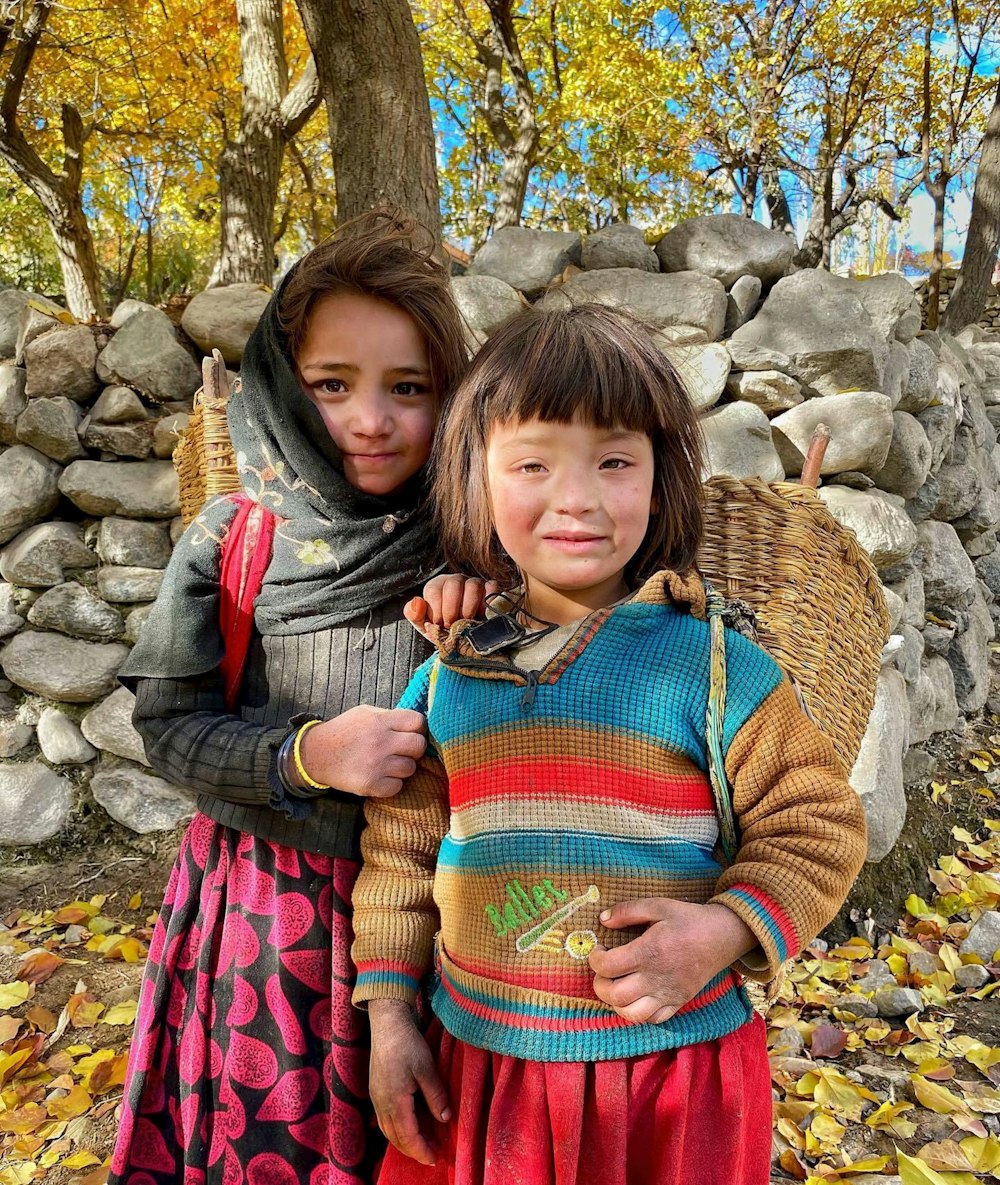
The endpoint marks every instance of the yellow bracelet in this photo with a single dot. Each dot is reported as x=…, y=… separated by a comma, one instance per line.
x=300, y=769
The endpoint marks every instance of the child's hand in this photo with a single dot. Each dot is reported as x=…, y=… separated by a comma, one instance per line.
x=367, y=751
x=684, y=946
x=447, y=599
x=401, y=1067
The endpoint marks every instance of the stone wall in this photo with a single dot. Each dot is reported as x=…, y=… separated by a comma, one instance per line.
x=88, y=499
x=949, y=277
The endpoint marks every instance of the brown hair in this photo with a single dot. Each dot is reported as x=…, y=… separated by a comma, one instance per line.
x=388, y=255
x=587, y=362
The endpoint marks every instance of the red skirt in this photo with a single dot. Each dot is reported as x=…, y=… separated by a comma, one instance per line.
x=701, y=1113
x=249, y=1066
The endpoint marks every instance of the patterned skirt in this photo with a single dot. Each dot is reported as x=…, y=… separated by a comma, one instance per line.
x=249, y=1064
x=701, y=1113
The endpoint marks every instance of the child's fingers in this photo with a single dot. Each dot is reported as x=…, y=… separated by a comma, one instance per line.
x=402, y=1130
x=646, y=1010
x=452, y=594
x=409, y=744
x=434, y=1093
x=416, y=613
x=636, y=913
x=619, y=993
x=405, y=720
x=621, y=960
x=472, y=598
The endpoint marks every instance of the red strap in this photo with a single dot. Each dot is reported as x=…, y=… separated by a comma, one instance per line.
x=246, y=553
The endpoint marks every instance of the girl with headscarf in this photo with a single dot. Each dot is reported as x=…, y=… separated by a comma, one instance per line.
x=249, y=1064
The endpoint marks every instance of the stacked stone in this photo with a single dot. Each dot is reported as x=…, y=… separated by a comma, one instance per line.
x=89, y=417
x=949, y=278
x=767, y=354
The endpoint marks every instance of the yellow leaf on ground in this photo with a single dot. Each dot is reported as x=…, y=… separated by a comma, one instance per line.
x=946, y=1156
x=121, y=1014
x=983, y=1154
x=77, y=1102
x=13, y=994
x=935, y=1097
x=915, y=1172
x=80, y=1160
x=135, y=901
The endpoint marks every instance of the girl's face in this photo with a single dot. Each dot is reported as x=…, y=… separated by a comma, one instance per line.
x=571, y=506
x=364, y=364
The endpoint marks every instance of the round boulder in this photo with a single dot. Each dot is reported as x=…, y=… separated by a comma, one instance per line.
x=62, y=668
x=223, y=318
x=133, y=489
x=738, y=442
x=62, y=362
x=72, y=610
x=725, y=247
x=109, y=727
x=50, y=425
x=528, y=260
x=60, y=741
x=618, y=245
x=40, y=556
x=35, y=803
x=141, y=801
x=146, y=354
x=29, y=489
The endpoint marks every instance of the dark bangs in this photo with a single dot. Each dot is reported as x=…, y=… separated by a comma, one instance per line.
x=587, y=363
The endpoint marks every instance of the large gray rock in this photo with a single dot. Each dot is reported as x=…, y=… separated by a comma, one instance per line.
x=984, y=937
x=35, y=319
x=62, y=668
x=742, y=301
x=968, y=656
x=140, y=801
x=909, y=458
x=128, y=309
x=861, y=423
x=897, y=370
x=62, y=362
x=15, y=735
x=959, y=489
x=883, y=530
x=908, y=326
x=10, y=620
x=109, y=727
x=949, y=577
x=29, y=489
x=35, y=803
x=223, y=318
x=772, y=391
x=738, y=442
x=117, y=405
x=124, y=440
x=71, y=609
x=751, y=356
x=61, y=741
x=877, y=775
x=923, y=706
x=939, y=426
x=948, y=391
x=134, y=489
x=886, y=297
x=618, y=245
x=129, y=585
x=40, y=556
x=946, y=715
x=824, y=329
x=132, y=543
x=13, y=400
x=167, y=433
x=50, y=426
x=725, y=247
x=922, y=378
x=528, y=260
x=684, y=298
x=12, y=301
x=898, y=1001
x=146, y=354
x=702, y=369
x=485, y=302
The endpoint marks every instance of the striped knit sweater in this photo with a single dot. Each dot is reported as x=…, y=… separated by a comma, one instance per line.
x=548, y=796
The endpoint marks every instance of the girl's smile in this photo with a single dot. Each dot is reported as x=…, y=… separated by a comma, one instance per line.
x=363, y=363
x=571, y=506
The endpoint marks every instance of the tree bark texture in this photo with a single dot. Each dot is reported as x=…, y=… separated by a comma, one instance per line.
x=983, y=240
x=372, y=80
x=250, y=165
x=60, y=194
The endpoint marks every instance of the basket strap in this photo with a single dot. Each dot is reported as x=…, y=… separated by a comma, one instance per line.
x=246, y=553
x=716, y=606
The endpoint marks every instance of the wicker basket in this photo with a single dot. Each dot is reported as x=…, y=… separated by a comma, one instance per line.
x=820, y=608
x=204, y=458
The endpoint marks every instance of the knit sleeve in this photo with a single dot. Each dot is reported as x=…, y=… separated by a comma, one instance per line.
x=802, y=831
x=395, y=918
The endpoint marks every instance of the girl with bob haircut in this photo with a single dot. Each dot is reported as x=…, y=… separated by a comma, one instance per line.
x=553, y=857
x=249, y=1063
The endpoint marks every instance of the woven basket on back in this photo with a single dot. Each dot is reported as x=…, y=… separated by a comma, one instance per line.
x=204, y=458
x=819, y=604
x=820, y=608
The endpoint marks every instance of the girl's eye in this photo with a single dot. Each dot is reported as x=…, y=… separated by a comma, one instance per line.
x=530, y=467
x=409, y=389
x=615, y=463
x=330, y=387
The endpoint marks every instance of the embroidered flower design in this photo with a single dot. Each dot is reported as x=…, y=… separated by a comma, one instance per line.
x=272, y=471
x=315, y=551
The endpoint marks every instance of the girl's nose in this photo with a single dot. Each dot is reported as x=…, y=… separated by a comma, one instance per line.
x=575, y=496
x=372, y=415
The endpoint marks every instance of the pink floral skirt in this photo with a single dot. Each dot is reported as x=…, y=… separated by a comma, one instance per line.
x=249, y=1064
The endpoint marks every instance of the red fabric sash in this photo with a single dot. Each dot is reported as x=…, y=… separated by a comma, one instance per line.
x=246, y=553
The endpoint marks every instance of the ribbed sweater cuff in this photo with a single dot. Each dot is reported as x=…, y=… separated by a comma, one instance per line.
x=773, y=928
x=386, y=980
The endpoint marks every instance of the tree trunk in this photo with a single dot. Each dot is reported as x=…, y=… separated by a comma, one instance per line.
x=250, y=165
x=937, y=189
x=77, y=257
x=983, y=240
x=371, y=77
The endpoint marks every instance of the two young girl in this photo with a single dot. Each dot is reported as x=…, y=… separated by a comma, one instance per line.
x=249, y=1063
x=553, y=857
